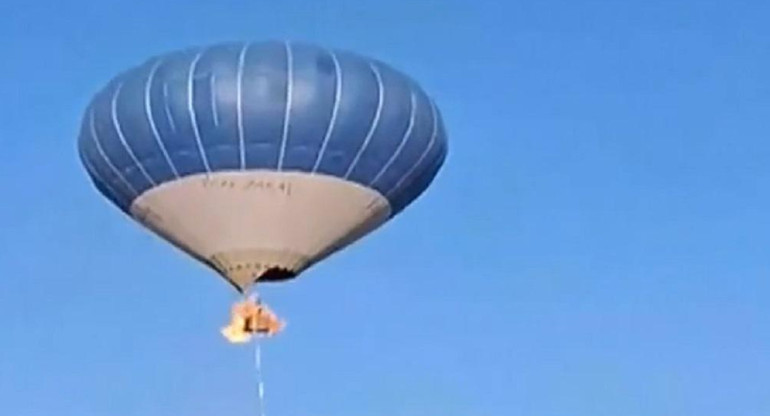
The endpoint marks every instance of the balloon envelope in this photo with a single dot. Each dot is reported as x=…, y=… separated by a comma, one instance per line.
x=261, y=159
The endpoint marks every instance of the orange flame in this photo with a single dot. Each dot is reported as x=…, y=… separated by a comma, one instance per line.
x=249, y=319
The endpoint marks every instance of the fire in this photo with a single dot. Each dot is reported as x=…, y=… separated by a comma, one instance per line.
x=251, y=318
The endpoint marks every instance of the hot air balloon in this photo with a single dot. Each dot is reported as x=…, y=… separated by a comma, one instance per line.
x=261, y=159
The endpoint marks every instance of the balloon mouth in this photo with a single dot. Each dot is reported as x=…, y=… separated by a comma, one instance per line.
x=271, y=275
x=276, y=274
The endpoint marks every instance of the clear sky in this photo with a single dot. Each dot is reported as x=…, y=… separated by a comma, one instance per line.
x=597, y=243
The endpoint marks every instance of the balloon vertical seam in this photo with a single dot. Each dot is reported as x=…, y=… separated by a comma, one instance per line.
x=422, y=157
x=191, y=110
x=106, y=158
x=91, y=169
x=404, y=139
x=151, y=119
x=375, y=120
x=167, y=108
x=213, y=93
x=335, y=109
x=287, y=112
x=122, y=137
x=239, y=103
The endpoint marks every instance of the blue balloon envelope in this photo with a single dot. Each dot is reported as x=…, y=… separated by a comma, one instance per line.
x=260, y=159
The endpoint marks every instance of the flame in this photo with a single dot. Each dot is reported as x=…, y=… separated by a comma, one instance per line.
x=250, y=318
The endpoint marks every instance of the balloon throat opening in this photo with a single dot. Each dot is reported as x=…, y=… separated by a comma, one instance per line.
x=276, y=274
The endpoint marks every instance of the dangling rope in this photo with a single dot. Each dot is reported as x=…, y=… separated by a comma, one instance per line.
x=258, y=368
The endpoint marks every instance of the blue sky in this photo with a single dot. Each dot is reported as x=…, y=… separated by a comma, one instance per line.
x=596, y=244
